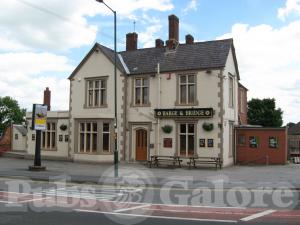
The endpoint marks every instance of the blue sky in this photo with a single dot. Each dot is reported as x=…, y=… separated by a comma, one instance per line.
x=41, y=41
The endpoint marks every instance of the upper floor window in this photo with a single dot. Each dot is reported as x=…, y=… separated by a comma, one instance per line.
x=231, y=92
x=96, y=93
x=187, y=89
x=49, y=137
x=141, y=90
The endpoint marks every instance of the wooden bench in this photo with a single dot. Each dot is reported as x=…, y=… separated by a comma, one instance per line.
x=158, y=159
x=205, y=161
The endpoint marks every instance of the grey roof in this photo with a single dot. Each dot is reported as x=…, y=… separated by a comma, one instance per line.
x=200, y=55
x=294, y=130
x=21, y=129
x=197, y=56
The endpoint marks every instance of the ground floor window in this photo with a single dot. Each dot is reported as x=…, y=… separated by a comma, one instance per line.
x=186, y=139
x=49, y=137
x=94, y=137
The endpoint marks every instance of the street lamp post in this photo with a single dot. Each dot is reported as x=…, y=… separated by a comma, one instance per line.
x=116, y=155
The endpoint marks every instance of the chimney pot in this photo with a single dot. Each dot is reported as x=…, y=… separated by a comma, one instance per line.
x=173, y=28
x=159, y=43
x=47, y=98
x=189, y=39
x=131, y=41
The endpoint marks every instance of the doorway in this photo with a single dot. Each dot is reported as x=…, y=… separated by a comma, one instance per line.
x=141, y=145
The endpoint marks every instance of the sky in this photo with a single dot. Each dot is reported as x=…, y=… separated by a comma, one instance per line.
x=41, y=42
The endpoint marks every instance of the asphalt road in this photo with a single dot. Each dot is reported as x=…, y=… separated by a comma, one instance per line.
x=33, y=202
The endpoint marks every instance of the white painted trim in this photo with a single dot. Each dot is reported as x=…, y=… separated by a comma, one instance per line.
x=123, y=64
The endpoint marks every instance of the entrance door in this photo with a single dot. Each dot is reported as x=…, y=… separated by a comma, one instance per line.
x=141, y=145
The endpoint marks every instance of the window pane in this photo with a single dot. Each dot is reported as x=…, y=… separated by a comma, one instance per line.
x=81, y=126
x=106, y=142
x=145, y=95
x=191, y=128
x=94, y=149
x=81, y=142
x=138, y=96
x=182, y=144
x=191, y=144
x=182, y=79
x=191, y=79
x=53, y=140
x=53, y=126
x=103, y=97
x=88, y=142
x=145, y=82
x=95, y=127
x=105, y=127
x=191, y=93
x=183, y=128
x=96, y=103
x=48, y=126
x=97, y=84
x=103, y=84
x=48, y=139
x=88, y=127
x=90, y=98
x=182, y=93
x=137, y=82
x=90, y=84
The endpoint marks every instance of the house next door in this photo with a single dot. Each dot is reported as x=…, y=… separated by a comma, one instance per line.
x=141, y=145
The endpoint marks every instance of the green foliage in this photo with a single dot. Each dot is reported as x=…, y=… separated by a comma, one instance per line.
x=208, y=126
x=167, y=129
x=263, y=112
x=10, y=112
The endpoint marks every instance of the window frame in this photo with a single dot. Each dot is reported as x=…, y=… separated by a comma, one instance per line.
x=186, y=84
x=45, y=132
x=141, y=87
x=94, y=89
x=186, y=123
x=99, y=150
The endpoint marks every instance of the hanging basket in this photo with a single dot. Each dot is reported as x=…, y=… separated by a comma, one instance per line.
x=208, y=126
x=63, y=127
x=167, y=129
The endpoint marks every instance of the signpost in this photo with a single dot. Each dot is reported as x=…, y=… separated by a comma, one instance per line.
x=39, y=114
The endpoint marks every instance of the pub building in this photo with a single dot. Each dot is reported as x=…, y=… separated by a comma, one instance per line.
x=172, y=99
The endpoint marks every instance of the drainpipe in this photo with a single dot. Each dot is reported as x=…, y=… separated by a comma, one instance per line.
x=158, y=106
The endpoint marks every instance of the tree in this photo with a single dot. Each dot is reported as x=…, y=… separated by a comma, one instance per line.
x=10, y=112
x=263, y=112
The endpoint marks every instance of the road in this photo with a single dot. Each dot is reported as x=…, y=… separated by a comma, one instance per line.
x=36, y=202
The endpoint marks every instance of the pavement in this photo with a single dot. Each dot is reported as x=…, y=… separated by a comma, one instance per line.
x=252, y=177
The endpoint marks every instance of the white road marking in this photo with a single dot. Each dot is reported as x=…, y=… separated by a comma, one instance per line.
x=7, y=202
x=257, y=215
x=157, y=217
x=132, y=208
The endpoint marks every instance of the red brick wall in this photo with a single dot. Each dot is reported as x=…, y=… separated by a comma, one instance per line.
x=263, y=154
x=242, y=113
x=5, y=141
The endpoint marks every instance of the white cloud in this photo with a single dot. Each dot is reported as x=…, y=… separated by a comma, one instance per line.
x=191, y=6
x=291, y=6
x=25, y=75
x=269, y=62
x=57, y=25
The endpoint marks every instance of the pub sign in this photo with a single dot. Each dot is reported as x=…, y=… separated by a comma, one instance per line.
x=184, y=113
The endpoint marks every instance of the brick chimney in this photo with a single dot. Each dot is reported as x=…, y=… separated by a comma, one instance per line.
x=47, y=98
x=173, y=28
x=189, y=39
x=159, y=43
x=131, y=41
